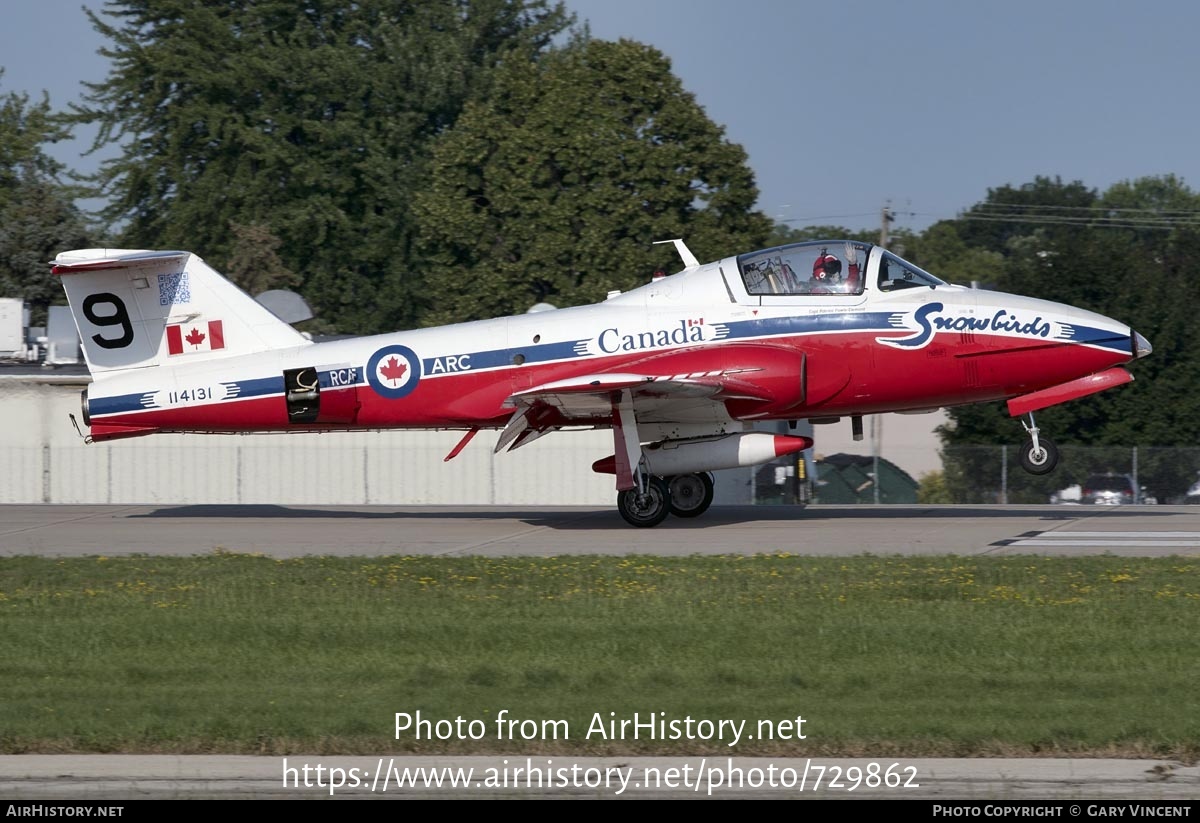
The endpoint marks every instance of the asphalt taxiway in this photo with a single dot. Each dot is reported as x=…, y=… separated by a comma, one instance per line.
x=290, y=531
x=1072, y=783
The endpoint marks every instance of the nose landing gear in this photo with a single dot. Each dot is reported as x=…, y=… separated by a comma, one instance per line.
x=1039, y=455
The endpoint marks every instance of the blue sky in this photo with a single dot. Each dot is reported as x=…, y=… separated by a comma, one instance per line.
x=846, y=106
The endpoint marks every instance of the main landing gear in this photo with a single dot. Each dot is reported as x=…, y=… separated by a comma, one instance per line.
x=653, y=498
x=691, y=494
x=1039, y=455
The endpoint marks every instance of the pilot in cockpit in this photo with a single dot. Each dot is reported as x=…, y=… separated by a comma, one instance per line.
x=826, y=274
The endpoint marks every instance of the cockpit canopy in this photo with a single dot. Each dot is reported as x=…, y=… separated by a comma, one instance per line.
x=828, y=267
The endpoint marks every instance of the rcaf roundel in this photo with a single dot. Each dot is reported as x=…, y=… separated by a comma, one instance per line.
x=394, y=371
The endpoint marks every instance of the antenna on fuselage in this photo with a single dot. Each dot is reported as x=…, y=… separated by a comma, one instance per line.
x=689, y=259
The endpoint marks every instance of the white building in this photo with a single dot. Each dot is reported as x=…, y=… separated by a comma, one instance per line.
x=46, y=460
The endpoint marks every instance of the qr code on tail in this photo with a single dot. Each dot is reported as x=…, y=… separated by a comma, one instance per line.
x=173, y=289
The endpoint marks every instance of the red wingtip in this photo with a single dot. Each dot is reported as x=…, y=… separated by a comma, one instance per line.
x=605, y=465
x=786, y=444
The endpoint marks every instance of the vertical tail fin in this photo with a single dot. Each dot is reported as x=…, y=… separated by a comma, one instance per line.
x=136, y=309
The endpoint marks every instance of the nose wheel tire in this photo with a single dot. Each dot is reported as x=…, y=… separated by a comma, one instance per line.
x=644, y=510
x=691, y=494
x=1041, y=460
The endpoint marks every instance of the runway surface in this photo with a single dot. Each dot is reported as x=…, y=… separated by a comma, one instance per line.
x=290, y=531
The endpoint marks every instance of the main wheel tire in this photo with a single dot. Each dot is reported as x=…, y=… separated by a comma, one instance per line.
x=691, y=494
x=645, y=510
x=1040, y=461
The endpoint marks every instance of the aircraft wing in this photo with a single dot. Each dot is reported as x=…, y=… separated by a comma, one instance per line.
x=688, y=384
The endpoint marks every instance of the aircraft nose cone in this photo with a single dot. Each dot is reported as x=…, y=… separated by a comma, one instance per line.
x=1141, y=346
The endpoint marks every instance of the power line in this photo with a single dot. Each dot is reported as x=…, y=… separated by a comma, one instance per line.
x=1090, y=209
x=1051, y=215
x=1087, y=221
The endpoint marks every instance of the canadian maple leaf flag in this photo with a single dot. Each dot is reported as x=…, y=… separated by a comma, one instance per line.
x=187, y=338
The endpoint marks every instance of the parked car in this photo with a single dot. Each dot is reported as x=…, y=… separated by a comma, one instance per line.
x=1193, y=493
x=1071, y=494
x=1108, y=490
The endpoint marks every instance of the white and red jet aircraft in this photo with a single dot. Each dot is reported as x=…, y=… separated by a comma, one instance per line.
x=680, y=369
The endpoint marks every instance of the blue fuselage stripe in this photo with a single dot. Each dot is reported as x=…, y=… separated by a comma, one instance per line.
x=572, y=349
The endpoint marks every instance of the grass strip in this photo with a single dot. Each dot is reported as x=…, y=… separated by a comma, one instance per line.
x=905, y=656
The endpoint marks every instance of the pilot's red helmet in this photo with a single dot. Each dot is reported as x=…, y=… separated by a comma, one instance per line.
x=826, y=265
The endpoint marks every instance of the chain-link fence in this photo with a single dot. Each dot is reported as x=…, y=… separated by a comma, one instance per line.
x=989, y=474
x=993, y=474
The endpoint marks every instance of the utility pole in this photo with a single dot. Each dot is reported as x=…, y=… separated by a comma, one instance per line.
x=876, y=448
x=885, y=217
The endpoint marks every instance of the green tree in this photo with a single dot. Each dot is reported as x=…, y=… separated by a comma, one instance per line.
x=310, y=120
x=38, y=217
x=933, y=488
x=1045, y=204
x=555, y=187
x=942, y=251
x=254, y=262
